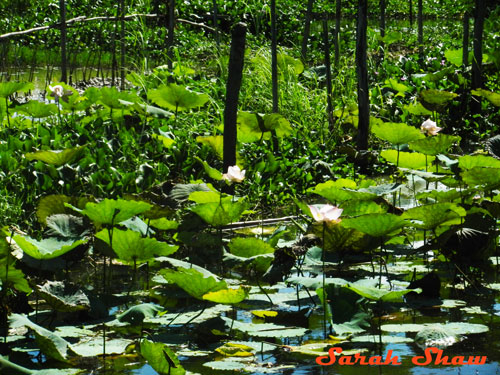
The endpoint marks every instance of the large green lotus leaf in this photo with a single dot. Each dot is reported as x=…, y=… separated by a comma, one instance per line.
x=396, y=133
x=228, y=296
x=66, y=226
x=114, y=211
x=251, y=127
x=92, y=346
x=444, y=195
x=436, y=100
x=193, y=282
x=288, y=63
x=338, y=237
x=492, y=97
x=382, y=189
x=55, y=204
x=112, y=98
x=206, y=197
x=417, y=109
x=376, y=225
x=257, y=263
x=430, y=216
x=161, y=358
x=136, y=314
x=315, y=282
x=434, y=145
x=145, y=109
x=379, y=294
x=493, y=146
x=482, y=176
x=177, y=98
x=55, y=157
x=278, y=123
x=64, y=297
x=331, y=191
x=49, y=343
x=356, y=208
x=213, y=141
x=249, y=247
x=211, y=172
x=470, y=161
x=220, y=213
x=137, y=225
x=455, y=56
x=11, y=276
x=410, y=160
x=11, y=87
x=385, y=339
x=265, y=329
x=130, y=246
x=163, y=224
x=179, y=264
x=47, y=248
x=37, y=109
x=9, y=368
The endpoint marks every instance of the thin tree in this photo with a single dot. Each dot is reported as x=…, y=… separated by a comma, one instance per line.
x=362, y=73
x=307, y=29
x=420, y=37
x=64, y=61
x=477, y=61
x=336, y=38
x=170, y=38
x=122, y=44
x=382, y=27
x=235, y=74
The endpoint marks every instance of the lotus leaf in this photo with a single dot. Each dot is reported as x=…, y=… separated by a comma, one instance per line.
x=48, y=248
x=417, y=109
x=470, y=161
x=431, y=216
x=161, y=358
x=482, y=176
x=265, y=329
x=220, y=213
x=376, y=225
x=56, y=157
x=114, y=211
x=411, y=160
x=492, y=97
x=438, y=144
x=379, y=294
x=193, y=282
x=230, y=349
x=228, y=296
x=225, y=365
x=37, y=109
x=436, y=100
x=130, y=246
x=211, y=172
x=177, y=98
x=10, y=87
x=136, y=314
x=396, y=133
x=63, y=296
x=249, y=246
x=334, y=193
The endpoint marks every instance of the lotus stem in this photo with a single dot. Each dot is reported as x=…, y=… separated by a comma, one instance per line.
x=324, y=282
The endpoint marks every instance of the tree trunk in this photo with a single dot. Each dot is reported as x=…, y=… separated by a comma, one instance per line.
x=64, y=61
x=382, y=27
x=122, y=44
x=420, y=33
x=362, y=73
x=465, y=41
x=307, y=29
x=170, y=39
x=477, y=61
x=235, y=73
x=329, y=89
x=216, y=24
x=274, y=70
x=336, y=40
x=411, y=13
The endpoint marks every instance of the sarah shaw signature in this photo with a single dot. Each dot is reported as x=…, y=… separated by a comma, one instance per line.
x=426, y=359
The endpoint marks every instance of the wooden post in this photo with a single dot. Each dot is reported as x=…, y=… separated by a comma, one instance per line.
x=362, y=73
x=64, y=61
x=477, y=61
x=420, y=33
x=235, y=73
x=170, y=39
x=216, y=24
x=307, y=29
x=122, y=44
x=382, y=27
x=274, y=56
x=329, y=89
x=465, y=41
x=336, y=40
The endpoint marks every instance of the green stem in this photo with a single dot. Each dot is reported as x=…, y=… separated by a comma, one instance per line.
x=324, y=283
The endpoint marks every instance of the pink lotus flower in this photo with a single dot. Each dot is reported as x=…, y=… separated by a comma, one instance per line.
x=327, y=213
x=234, y=174
x=429, y=127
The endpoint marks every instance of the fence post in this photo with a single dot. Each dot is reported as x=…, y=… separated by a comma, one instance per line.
x=235, y=73
x=362, y=73
x=64, y=61
x=122, y=44
x=336, y=40
x=307, y=28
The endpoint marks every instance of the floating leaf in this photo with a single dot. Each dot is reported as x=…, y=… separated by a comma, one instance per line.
x=438, y=144
x=92, y=346
x=225, y=365
x=161, y=358
x=376, y=225
x=193, y=282
x=131, y=246
x=396, y=133
x=264, y=313
x=230, y=349
x=458, y=328
x=227, y=296
x=136, y=314
x=176, y=98
x=250, y=246
x=265, y=329
x=55, y=157
x=411, y=160
x=379, y=294
x=48, y=248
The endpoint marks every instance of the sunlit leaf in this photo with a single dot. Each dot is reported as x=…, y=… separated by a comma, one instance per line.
x=193, y=282
x=376, y=224
x=177, y=98
x=161, y=358
x=411, y=160
x=228, y=296
x=430, y=216
x=396, y=133
x=114, y=211
x=47, y=248
x=55, y=157
x=434, y=145
x=249, y=246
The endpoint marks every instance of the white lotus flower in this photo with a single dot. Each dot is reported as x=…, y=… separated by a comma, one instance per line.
x=327, y=213
x=429, y=127
x=234, y=174
x=57, y=91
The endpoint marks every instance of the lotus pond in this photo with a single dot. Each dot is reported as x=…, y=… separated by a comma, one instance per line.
x=128, y=247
